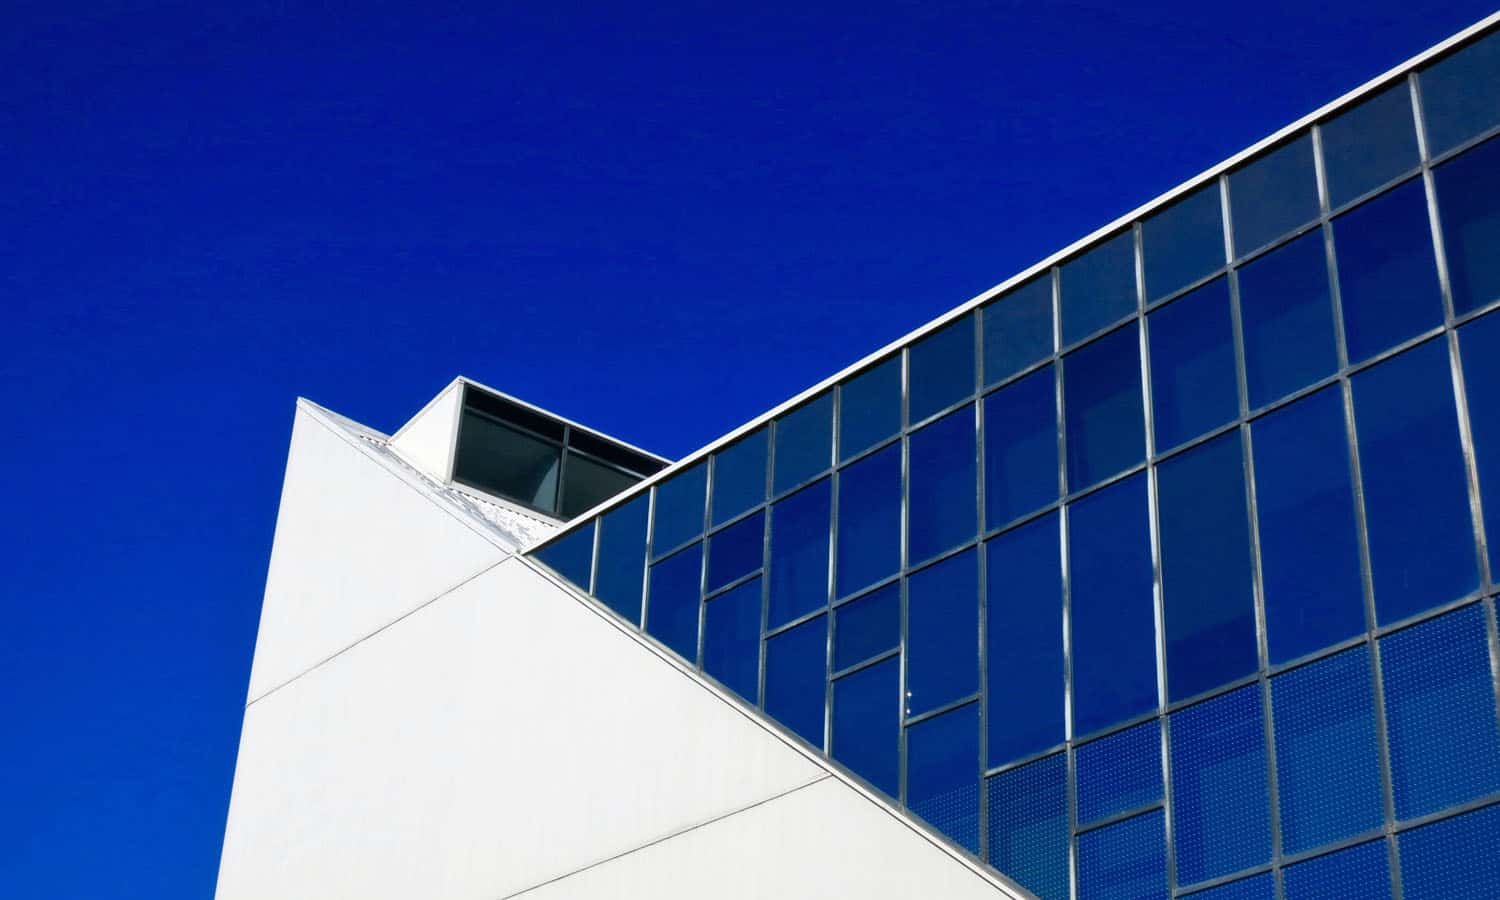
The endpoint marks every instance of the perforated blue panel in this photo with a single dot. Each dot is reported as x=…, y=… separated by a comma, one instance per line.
x=1455, y=859
x=1260, y=887
x=1358, y=873
x=1028, y=826
x=1219, y=792
x=1120, y=772
x=1124, y=861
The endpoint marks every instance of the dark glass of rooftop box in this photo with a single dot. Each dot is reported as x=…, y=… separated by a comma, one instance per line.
x=1097, y=287
x=1370, y=144
x=1273, y=195
x=1184, y=242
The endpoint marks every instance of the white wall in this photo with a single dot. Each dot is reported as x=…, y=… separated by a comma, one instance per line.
x=426, y=440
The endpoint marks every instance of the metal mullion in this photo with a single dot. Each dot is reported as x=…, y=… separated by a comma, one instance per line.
x=1101, y=331
x=944, y=709
x=646, y=564
x=905, y=513
x=708, y=503
x=1478, y=312
x=765, y=566
x=1070, y=785
x=864, y=590
x=711, y=595
x=1028, y=369
x=1024, y=761
x=982, y=801
x=929, y=562
x=594, y=551
x=1198, y=888
x=562, y=472
x=882, y=656
x=871, y=450
x=806, y=482
x=791, y=624
x=1428, y=615
x=1179, y=293
x=1368, y=836
x=1461, y=148
x=1116, y=818
x=1335, y=211
x=1276, y=243
x=1449, y=812
x=1020, y=521
x=945, y=411
x=831, y=587
x=737, y=519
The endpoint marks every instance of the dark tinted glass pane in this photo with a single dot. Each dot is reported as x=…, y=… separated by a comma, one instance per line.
x=1119, y=773
x=1479, y=342
x=586, y=484
x=1020, y=448
x=1370, y=144
x=622, y=558
x=796, y=672
x=804, y=442
x=1416, y=494
x=505, y=461
x=1207, y=584
x=1273, y=195
x=571, y=556
x=1193, y=383
x=1112, y=611
x=1309, y=547
x=942, y=640
x=731, y=639
x=1387, y=275
x=1327, y=759
x=1098, y=287
x=739, y=477
x=1468, y=190
x=1288, y=319
x=1259, y=887
x=867, y=723
x=942, y=773
x=672, y=606
x=867, y=627
x=1455, y=859
x=1017, y=329
x=1219, y=786
x=943, y=509
x=800, y=539
x=1461, y=95
x=1359, y=873
x=942, y=368
x=1440, y=713
x=1028, y=826
x=869, y=544
x=1184, y=242
x=1102, y=395
x=1024, y=640
x=870, y=407
x=1124, y=861
x=679, y=509
x=735, y=551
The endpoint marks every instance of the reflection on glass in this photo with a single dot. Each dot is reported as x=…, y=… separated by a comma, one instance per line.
x=1288, y=319
x=1017, y=329
x=1468, y=191
x=867, y=627
x=1102, y=396
x=1184, y=242
x=942, y=509
x=1193, y=382
x=1370, y=144
x=804, y=442
x=571, y=556
x=739, y=476
x=942, y=368
x=731, y=639
x=870, y=407
x=1273, y=195
x=867, y=724
x=735, y=551
x=796, y=672
x=799, y=553
x=1461, y=95
x=1388, y=282
x=942, y=640
x=1024, y=640
x=679, y=509
x=1480, y=344
x=869, y=541
x=672, y=605
x=1098, y=287
x=1020, y=448
x=622, y=558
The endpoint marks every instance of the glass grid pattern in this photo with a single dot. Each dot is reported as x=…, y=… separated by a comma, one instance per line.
x=1029, y=826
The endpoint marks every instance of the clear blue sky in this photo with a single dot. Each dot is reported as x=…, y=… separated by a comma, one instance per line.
x=657, y=221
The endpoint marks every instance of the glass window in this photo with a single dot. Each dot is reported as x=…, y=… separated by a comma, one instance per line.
x=1388, y=283
x=571, y=556
x=1184, y=242
x=1098, y=287
x=1112, y=609
x=1219, y=791
x=866, y=627
x=942, y=640
x=867, y=724
x=1468, y=192
x=1273, y=195
x=1207, y=585
x=622, y=558
x=731, y=639
x=679, y=509
x=869, y=542
x=804, y=442
x=672, y=606
x=1479, y=342
x=1415, y=489
x=1370, y=144
x=1455, y=859
x=1358, y=873
x=1440, y=713
x=1102, y=396
x=1309, y=545
x=1018, y=329
x=1257, y=887
x=942, y=773
x=739, y=476
x=735, y=551
x=506, y=461
x=1028, y=826
x=800, y=539
x=942, y=368
x=1119, y=773
x=1461, y=95
x=1020, y=448
x=1288, y=320
x=589, y=483
x=796, y=676
x=1024, y=637
x=870, y=407
x=943, y=507
x=1193, y=383
x=1124, y=861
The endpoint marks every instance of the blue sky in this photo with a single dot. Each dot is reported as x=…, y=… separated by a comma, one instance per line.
x=658, y=222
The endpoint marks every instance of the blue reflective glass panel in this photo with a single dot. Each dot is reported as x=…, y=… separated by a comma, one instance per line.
x=1020, y=448
x=943, y=506
x=1359, y=873
x=1124, y=861
x=731, y=639
x=1309, y=546
x=942, y=773
x=1184, y=242
x=1288, y=319
x=571, y=556
x=942, y=368
x=736, y=551
x=1370, y=144
x=1193, y=382
x=799, y=552
x=1028, y=826
x=1258, y=887
x=869, y=542
x=1273, y=195
x=1388, y=284
x=1479, y=342
x=1455, y=859
x=1207, y=584
x=1017, y=329
x=1119, y=772
x=867, y=626
x=1415, y=489
x=1102, y=395
x=796, y=673
x=1112, y=617
x=672, y=605
x=1461, y=95
x=1219, y=790
x=870, y=407
x=804, y=442
x=622, y=558
x=739, y=477
x=942, y=639
x=1440, y=713
x=679, y=509
x=1468, y=191
x=867, y=723
x=1024, y=640
x=1098, y=287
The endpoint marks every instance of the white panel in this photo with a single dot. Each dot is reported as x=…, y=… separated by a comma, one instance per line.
x=356, y=548
x=427, y=439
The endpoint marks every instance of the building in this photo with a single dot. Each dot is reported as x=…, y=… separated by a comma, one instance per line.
x=1161, y=569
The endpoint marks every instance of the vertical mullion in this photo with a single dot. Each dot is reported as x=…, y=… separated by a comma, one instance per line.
x=1070, y=784
x=708, y=504
x=594, y=547
x=765, y=564
x=980, y=518
x=646, y=564
x=833, y=530
x=905, y=526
